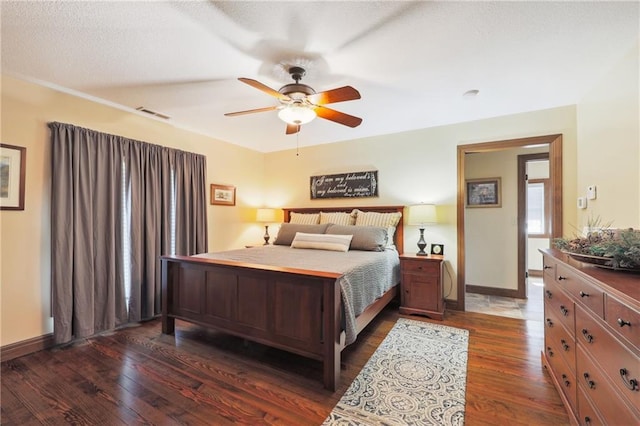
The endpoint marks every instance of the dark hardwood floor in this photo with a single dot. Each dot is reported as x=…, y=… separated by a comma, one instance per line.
x=136, y=375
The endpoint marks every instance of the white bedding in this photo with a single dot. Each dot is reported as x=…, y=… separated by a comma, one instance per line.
x=366, y=275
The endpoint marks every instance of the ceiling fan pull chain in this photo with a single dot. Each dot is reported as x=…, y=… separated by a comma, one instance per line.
x=298, y=142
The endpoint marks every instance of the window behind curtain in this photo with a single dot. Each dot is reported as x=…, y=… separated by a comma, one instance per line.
x=115, y=205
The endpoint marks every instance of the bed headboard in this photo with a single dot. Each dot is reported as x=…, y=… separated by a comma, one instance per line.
x=399, y=235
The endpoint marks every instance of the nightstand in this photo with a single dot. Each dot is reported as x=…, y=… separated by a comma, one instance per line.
x=421, y=285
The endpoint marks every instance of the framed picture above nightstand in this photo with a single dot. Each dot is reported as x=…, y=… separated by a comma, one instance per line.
x=421, y=285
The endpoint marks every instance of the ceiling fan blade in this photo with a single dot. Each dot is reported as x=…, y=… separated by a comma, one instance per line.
x=251, y=111
x=341, y=94
x=292, y=129
x=266, y=89
x=337, y=116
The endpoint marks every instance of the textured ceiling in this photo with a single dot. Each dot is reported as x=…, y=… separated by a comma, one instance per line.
x=411, y=61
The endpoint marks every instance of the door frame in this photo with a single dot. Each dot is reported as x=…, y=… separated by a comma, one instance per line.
x=555, y=175
x=523, y=235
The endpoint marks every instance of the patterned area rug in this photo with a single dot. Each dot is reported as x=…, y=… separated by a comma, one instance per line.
x=417, y=376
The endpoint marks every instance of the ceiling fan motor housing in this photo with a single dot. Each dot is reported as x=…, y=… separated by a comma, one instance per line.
x=297, y=90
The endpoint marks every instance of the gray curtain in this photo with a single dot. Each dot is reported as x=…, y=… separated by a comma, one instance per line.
x=108, y=193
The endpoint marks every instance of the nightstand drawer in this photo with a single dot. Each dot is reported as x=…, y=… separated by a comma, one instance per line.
x=421, y=267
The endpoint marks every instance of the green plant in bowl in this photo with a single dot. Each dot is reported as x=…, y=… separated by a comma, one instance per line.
x=603, y=246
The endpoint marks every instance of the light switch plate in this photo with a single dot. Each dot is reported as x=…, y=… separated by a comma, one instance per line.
x=582, y=203
x=591, y=192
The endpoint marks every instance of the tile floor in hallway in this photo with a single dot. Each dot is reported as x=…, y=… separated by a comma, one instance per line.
x=531, y=308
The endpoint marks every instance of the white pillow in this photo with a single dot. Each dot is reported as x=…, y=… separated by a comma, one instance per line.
x=304, y=218
x=338, y=218
x=322, y=241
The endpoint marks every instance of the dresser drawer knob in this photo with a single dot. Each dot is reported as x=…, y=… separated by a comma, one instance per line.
x=583, y=294
x=548, y=293
x=564, y=310
x=587, y=420
x=566, y=381
x=549, y=351
x=565, y=346
x=549, y=322
x=561, y=278
x=590, y=383
x=622, y=322
x=588, y=337
x=546, y=267
x=631, y=384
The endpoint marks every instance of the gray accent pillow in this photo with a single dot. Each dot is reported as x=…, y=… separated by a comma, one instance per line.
x=365, y=238
x=287, y=232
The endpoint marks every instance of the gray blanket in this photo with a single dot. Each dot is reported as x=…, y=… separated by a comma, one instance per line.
x=366, y=274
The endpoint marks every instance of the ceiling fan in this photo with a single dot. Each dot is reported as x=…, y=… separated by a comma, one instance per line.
x=299, y=103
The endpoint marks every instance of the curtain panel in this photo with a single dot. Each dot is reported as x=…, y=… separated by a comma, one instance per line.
x=117, y=205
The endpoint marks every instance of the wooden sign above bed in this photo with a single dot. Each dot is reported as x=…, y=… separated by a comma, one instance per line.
x=345, y=185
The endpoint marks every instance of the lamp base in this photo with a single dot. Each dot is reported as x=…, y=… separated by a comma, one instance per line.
x=266, y=235
x=422, y=244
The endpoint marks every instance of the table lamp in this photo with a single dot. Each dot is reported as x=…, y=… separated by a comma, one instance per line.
x=266, y=216
x=420, y=215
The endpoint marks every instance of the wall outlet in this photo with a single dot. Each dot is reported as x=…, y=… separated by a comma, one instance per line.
x=591, y=192
x=582, y=202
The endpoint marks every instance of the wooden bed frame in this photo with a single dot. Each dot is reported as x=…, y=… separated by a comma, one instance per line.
x=296, y=310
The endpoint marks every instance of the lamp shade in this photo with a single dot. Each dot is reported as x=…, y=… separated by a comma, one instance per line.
x=296, y=114
x=420, y=214
x=266, y=215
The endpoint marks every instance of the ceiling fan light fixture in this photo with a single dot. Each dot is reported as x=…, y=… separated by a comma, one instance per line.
x=296, y=114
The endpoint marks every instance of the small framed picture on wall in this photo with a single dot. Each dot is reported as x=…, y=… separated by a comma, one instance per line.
x=483, y=192
x=13, y=161
x=223, y=195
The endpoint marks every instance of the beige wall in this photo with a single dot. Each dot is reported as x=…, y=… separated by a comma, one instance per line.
x=25, y=235
x=413, y=167
x=609, y=150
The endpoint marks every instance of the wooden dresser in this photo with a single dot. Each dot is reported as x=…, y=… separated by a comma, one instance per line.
x=592, y=339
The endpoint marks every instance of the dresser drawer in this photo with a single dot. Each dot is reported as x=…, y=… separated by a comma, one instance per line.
x=623, y=319
x=560, y=340
x=557, y=301
x=586, y=293
x=604, y=396
x=548, y=268
x=420, y=267
x=615, y=359
x=564, y=376
x=587, y=414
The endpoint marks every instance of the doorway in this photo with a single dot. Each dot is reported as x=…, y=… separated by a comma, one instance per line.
x=554, y=143
x=534, y=216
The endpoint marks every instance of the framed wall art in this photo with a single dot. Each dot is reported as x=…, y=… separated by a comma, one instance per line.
x=223, y=195
x=13, y=164
x=483, y=192
x=345, y=185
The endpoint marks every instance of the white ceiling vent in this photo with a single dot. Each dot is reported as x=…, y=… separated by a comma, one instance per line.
x=150, y=112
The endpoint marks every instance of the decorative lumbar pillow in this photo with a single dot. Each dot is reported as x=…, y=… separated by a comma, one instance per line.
x=366, y=238
x=338, y=218
x=304, y=218
x=287, y=232
x=384, y=220
x=322, y=241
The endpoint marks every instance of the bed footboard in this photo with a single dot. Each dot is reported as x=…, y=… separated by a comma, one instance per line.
x=291, y=309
